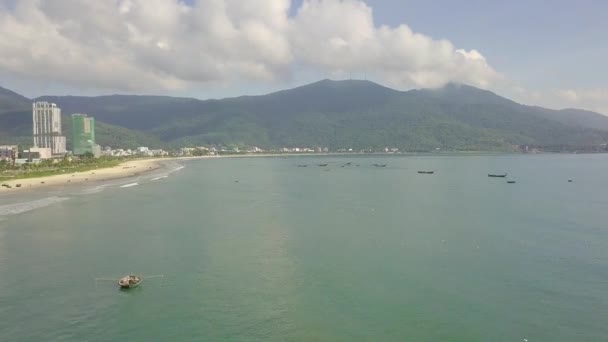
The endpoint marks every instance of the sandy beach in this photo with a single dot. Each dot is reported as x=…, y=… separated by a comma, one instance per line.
x=126, y=169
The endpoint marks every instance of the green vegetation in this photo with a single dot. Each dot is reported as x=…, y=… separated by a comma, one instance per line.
x=335, y=114
x=50, y=167
x=197, y=152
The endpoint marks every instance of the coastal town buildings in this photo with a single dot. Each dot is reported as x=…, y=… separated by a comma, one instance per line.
x=9, y=153
x=83, y=136
x=38, y=153
x=46, y=119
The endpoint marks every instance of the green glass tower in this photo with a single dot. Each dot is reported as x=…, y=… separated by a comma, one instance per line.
x=83, y=134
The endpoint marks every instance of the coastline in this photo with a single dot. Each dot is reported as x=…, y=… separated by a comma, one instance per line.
x=130, y=168
x=127, y=169
x=138, y=167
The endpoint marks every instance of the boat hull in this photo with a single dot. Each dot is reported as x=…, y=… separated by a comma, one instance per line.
x=128, y=282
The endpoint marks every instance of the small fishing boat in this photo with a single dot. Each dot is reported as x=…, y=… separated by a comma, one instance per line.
x=17, y=185
x=302, y=165
x=511, y=182
x=426, y=172
x=380, y=165
x=569, y=180
x=129, y=282
x=322, y=165
x=497, y=175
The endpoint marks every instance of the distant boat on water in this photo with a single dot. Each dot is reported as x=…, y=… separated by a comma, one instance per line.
x=511, y=182
x=322, y=165
x=129, y=281
x=302, y=165
x=497, y=175
x=380, y=165
x=426, y=172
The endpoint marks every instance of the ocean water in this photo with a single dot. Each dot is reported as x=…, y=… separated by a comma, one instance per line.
x=258, y=249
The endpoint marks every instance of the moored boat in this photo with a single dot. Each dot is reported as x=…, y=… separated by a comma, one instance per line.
x=426, y=172
x=130, y=281
x=497, y=175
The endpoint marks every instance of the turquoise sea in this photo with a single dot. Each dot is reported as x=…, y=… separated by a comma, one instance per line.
x=258, y=249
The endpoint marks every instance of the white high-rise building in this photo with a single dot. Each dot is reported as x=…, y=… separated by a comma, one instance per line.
x=47, y=127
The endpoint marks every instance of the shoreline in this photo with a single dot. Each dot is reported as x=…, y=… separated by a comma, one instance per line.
x=126, y=169
x=137, y=167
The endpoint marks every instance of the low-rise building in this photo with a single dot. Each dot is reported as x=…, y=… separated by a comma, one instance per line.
x=38, y=153
x=9, y=153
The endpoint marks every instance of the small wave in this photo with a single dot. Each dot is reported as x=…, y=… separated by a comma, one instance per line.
x=129, y=185
x=177, y=168
x=18, y=208
x=160, y=177
x=93, y=190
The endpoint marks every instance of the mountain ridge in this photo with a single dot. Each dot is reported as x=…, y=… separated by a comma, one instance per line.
x=341, y=114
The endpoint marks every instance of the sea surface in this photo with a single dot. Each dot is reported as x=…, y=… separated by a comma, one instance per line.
x=259, y=249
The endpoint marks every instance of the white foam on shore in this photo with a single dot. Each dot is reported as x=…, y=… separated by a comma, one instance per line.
x=93, y=190
x=166, y=174
x=177, y=168
x=129, y=185
x=18, y=208
x=160, y=177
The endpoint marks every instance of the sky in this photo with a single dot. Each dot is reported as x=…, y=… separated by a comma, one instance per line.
x=535, y=52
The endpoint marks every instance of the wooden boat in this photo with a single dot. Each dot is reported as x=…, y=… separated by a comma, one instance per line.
x=511, y=182
x=302, y=165
x=322, y=165
x=129, y=282
x=496, y=175
x=426, y=172
x=18, y=185
x=380, y=165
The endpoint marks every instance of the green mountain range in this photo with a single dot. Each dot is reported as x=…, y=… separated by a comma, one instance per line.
x=336, y=114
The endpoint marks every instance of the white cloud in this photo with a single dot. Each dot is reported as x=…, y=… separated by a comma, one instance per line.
x=167, y=44
x=342, y=35
x=568, y=95
x=594, y=99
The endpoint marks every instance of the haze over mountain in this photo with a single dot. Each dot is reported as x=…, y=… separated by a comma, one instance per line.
x=338, y=114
